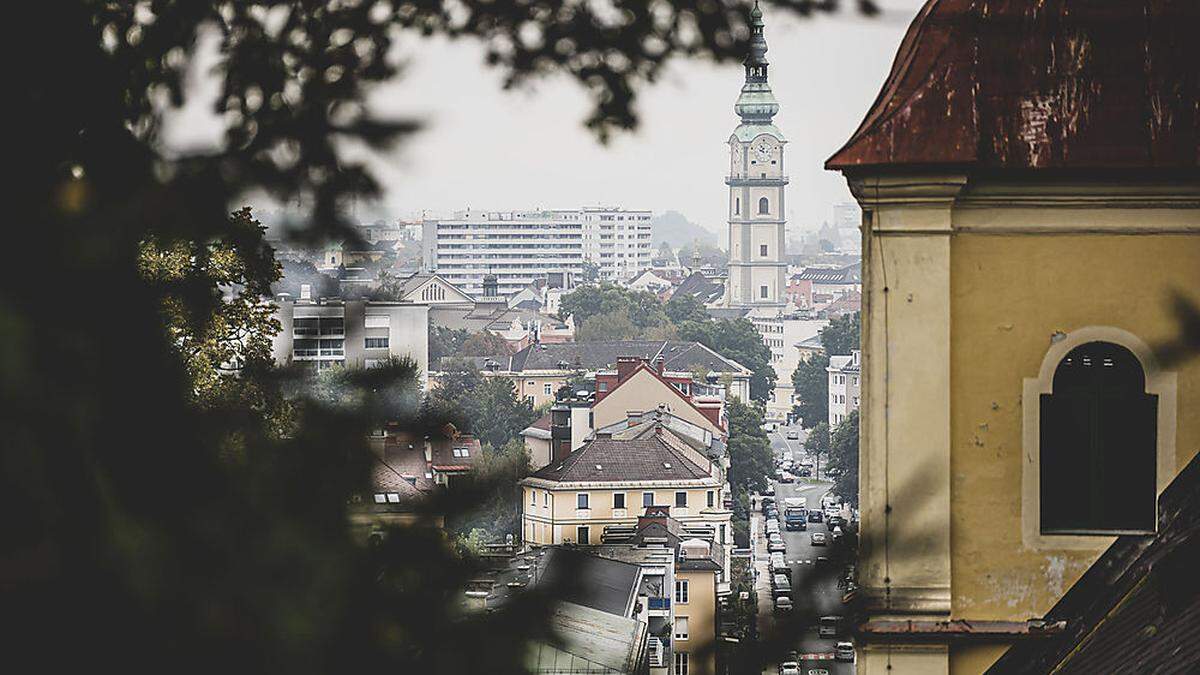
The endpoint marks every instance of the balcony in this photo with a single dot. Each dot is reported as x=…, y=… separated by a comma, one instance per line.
x=653, y=603
x=659, y=652
x=756, y=179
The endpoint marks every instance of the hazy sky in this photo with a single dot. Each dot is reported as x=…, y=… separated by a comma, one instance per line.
x=491, y=149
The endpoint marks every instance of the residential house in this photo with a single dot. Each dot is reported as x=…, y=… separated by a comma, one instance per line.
x=686, y=578
x=708, y=289
x=595, y=616
x=844, y=386
x=402, y=482
x=612, y=481
x=541, y=369
x=350, y=333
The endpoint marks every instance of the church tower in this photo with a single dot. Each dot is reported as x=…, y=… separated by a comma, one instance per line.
x=757, y=226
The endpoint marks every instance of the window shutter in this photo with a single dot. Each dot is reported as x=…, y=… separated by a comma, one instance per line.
x=1066, y=458
x=1127, y=441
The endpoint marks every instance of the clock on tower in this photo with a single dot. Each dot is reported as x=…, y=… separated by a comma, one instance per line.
x=757, y=185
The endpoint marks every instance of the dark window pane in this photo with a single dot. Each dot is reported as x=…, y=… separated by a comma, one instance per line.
x=1098, y=442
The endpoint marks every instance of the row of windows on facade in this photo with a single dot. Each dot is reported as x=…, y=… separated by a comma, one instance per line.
x=333, y=347
x=583, y=499
x=764, y=204
x=841, y=379
x=841, y=398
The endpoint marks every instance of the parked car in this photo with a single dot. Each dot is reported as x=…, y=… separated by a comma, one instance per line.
x=786, y=477
x=806, y=473
x=781, y=584
x=834, y=522
x=778, y=565
x=829, y=626
x=844, y=652
x=769, y=491
x=836, y=534
x=772, y=512
x=775, y=543
x=772, y=527
x=793, y=435
x=817, y=538
x=783, y=604
x=789, y=668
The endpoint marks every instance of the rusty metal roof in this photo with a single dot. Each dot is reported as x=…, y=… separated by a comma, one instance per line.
x=1046, y=84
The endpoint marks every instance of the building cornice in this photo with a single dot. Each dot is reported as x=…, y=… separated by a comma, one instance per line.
x=551, y=485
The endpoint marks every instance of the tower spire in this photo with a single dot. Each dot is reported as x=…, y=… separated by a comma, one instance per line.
x=756, y=105
x=756, y=61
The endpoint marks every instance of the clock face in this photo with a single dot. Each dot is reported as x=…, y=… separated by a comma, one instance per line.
x=762, y=151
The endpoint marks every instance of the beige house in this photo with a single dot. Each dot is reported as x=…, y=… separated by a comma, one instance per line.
x=613, y=481
x=681, y=589
x=1020, y=409
x=643, y=388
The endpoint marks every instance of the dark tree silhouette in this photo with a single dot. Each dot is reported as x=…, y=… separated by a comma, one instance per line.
x=142, y=529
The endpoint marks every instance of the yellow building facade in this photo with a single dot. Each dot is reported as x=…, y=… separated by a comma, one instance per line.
x=1008, y=240
x=551, y=513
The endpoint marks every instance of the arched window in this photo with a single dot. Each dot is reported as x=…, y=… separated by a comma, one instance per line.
x=737, y=205
x=1098, y=444
x=764, y=206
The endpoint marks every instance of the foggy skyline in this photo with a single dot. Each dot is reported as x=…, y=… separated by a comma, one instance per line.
x=486, y=148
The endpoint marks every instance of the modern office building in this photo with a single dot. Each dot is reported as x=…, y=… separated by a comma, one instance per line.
x=520, y=247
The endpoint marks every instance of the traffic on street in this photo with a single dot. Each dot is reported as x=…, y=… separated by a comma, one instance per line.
x=796, y=524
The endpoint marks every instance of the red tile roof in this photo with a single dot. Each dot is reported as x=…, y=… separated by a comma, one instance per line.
x=1039, y=85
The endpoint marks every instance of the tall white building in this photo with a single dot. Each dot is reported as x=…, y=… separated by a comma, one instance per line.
x=845, y=387
x=757, y=225
x=522, y=246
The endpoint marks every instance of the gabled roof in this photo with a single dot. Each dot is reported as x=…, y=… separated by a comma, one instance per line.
x=851, y=274
x=657, y=376
x=1038, y=85
x=442, y=453
x=680, y=356
x=702, y=288
x=1137, y=608
x=842, y=364
x=413, y=287
x=620, y=461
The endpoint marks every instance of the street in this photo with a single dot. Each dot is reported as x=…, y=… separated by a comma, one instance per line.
x=811, y=592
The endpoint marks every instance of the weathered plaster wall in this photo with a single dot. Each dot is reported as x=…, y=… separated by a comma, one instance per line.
x=1009, y=295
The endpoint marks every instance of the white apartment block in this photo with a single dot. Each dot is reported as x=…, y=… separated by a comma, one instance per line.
x=845, y=386
x=321, y=334
x=522, y=246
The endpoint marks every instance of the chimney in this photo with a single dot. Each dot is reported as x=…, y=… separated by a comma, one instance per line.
x=306, y=292
x=660, y=364
x=654, y=514
x=560, y=431
x=625, y=366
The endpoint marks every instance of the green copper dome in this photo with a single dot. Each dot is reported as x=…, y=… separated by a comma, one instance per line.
x=756, y=105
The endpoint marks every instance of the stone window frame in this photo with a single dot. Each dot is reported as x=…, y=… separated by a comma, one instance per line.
x=1159, y=382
